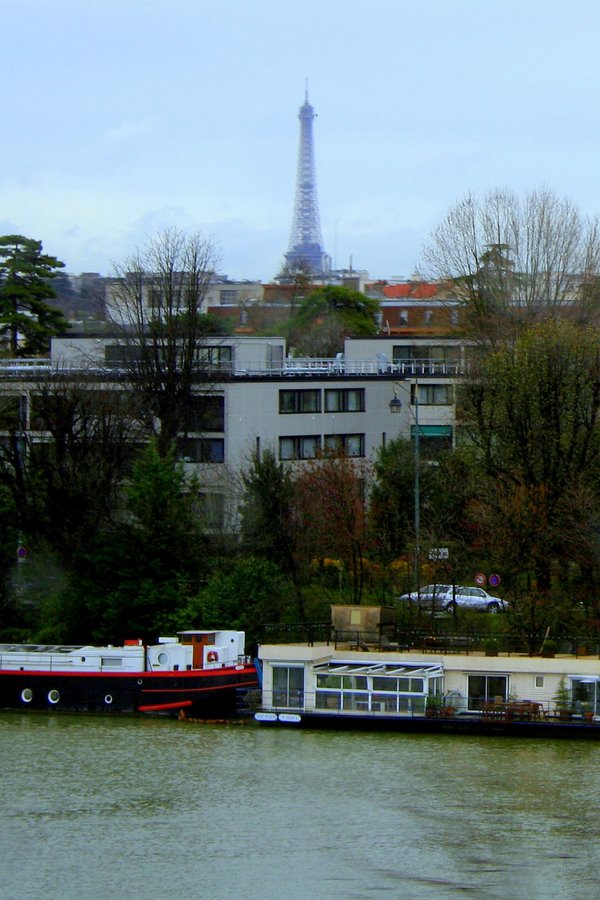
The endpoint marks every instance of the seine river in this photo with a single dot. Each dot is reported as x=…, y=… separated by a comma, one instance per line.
x=127, y=808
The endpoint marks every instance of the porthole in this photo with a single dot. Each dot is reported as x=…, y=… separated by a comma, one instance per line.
x=108, y=699
x=163, y=658
x=140, y=681
x=53, y=696
x=26, y=695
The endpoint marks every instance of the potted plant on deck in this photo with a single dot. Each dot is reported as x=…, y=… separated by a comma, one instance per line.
x=562, y=701
x=491, y=646
x=433, y=706
x=549, y=648
x=587, y=712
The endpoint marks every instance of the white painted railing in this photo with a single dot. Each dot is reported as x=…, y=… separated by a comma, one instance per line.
x=248, y=368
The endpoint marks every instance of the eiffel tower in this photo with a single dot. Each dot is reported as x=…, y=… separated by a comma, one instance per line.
x=306, y=243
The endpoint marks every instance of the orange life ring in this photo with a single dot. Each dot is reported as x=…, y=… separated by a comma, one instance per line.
x=213, y=656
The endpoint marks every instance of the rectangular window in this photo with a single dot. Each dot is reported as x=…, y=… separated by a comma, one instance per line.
x=539, y=681
x=220, y=356
x=486, y=689
x=346, y=400
x=438, y=355
x=354, y=682
x=206, y=413
x=586, y=695
x=288, y=687
x=201, y=450
x=432, y=394
x=13, y=413
x=332, y=682
x=401, y=685
x=122, y=355
x=299, y=447
x=355, y=701
x=427, y=316
x=349, y=444
x=299, y=401
x=228, y=297
x=403, y=318
x=211, y=511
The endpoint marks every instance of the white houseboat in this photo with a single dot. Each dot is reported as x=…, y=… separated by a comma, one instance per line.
x=365, y=685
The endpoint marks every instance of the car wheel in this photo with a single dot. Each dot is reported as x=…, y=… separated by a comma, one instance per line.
x=493, y=607
x=452, y=606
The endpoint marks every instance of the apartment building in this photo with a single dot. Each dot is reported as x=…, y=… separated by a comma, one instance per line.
x=252, y=397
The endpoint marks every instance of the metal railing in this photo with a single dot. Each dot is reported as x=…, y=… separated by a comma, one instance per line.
x=373, y=704
x=313, y=366
x=389, y=638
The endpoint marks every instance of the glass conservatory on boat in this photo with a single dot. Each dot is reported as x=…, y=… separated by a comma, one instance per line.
x=340, y=686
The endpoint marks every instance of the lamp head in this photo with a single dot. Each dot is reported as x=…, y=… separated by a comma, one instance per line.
x=395, y=404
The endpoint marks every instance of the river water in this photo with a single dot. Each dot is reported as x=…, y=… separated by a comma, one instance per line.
x=126, y=808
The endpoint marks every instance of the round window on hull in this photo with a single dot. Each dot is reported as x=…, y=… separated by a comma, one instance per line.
x=53, y=697
x=26, y=695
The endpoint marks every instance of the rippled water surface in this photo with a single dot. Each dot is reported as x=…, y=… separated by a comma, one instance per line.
x=127, y=808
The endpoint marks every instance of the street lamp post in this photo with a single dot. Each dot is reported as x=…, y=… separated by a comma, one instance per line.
x=396, y=407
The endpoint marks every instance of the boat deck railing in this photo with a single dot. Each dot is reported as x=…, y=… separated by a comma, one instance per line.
x=370, y=704
x=390, y=638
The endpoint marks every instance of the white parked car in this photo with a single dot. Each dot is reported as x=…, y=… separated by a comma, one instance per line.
x=448, y=597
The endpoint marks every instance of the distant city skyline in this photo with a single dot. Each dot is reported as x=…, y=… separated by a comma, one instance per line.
x=124, y=119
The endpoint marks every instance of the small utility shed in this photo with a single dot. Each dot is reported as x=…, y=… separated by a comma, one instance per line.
x=362, y=624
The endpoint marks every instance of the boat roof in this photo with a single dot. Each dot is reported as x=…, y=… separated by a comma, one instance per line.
x=412, y=670
x=41, y=648
x=203, y=631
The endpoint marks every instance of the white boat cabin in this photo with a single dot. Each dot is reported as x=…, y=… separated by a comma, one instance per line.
x=194, y=649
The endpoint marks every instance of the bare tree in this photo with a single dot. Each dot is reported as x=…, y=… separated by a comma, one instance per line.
x=531, y=410
x=331, y=511
x=514, y=259
x=297, y=277
x=155, y=303
x=66, y=449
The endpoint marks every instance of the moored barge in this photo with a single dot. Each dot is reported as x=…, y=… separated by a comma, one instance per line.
x=202, y=673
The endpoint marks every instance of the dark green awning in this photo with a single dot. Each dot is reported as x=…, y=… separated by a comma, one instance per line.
x=432, y=430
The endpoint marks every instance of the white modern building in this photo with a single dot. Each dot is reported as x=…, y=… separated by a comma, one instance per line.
x=252, y=397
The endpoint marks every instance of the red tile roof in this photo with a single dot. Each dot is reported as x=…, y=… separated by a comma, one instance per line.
x=414, y=290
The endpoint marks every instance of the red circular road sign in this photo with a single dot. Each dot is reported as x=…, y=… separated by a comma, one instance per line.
x=494, y=580
x=480, y=579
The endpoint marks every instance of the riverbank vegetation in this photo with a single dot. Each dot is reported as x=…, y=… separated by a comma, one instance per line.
x=117, y=541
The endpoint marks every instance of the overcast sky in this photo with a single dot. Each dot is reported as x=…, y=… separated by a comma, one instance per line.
x=124, y=117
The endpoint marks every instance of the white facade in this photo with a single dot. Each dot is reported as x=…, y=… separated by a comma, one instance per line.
x=261, y=399
x=231, y=354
